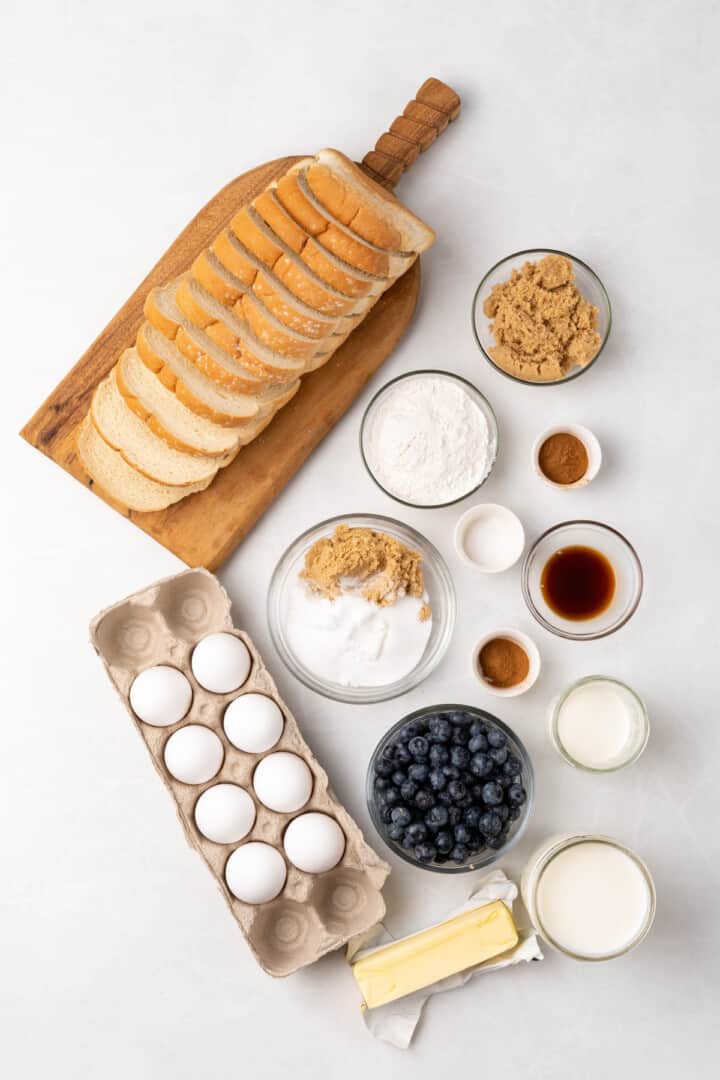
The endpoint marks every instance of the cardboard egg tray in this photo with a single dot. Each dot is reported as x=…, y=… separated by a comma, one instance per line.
x=314, y=914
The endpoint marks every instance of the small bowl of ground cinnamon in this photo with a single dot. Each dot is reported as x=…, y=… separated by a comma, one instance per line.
x=567, y=456
x=506, y=662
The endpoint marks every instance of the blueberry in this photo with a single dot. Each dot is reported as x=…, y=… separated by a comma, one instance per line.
x=490, y=824
x=499, y=755
x=424, y=799
x=384, y=767
x=385, y=812
x=459, y=756
x=455, y=815
x=496, y=738
x=399, y=778
x=440, y=729
x=460, y=736
x=462, y=834
x=457, y=790
x=516, y=794
x=512, y=766
x=401, y=754
x=439, y=755
x=472, y=816
x=451, y=772
x=444, y=798
x=416, y=833
x=396, y=832
x=459, y=853
x=419, y=747
x=477, y=728
x=409, y=790
x=391, y=796
x=481, y=765
x=444, y=842
x=418, y=772
x=401, y=815
x=503, y=812
x=382, y=783
x=477, y=744
x=438, y=779
x=458, y=718
x=514, y=813
x=436, y=818
x=492, y=793
x=425, y=852
x=505, y=782
x=415, y=727
x=495, y=842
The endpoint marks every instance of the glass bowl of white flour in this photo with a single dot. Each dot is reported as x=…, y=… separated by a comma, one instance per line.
x=429, y=439
x=347, y=648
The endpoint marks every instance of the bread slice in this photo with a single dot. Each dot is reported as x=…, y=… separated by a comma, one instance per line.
x=236, y=336
x=229, y=372
x=125, y=432
x=109, y=470
x=356, y=201
x=201, y=394
x=166, y=416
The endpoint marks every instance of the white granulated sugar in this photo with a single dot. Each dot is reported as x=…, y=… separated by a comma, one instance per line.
x=428, y=441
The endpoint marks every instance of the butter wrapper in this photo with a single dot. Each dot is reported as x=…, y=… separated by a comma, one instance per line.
x=395, y=1023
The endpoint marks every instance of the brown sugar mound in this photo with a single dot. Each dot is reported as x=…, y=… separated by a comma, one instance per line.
x=385, y=568
x=542, y=325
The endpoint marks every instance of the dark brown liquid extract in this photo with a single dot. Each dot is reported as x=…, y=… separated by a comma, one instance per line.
x=578, y=582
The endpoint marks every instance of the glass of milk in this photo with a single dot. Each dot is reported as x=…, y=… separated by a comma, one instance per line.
x=588, y=896
x=599, y=724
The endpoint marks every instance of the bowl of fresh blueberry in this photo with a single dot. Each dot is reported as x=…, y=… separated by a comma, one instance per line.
x=450, y=788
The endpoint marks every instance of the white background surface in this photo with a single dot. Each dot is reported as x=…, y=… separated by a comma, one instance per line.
x=590, y=127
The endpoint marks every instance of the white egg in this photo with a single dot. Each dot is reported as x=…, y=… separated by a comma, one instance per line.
x=221, y=663
x=314, y=843
x=193, y=754
x=283, y=782
x=255, y=873
x=253, y=723
x=161, y=696
x=225, y=813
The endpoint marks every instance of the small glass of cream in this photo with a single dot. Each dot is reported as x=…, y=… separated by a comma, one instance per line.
x=599, y=724
x=589, y=896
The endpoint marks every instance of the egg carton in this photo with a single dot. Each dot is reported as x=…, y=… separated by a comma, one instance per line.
x=315, y=913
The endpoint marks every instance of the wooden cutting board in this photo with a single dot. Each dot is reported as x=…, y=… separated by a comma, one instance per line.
x=204, y=528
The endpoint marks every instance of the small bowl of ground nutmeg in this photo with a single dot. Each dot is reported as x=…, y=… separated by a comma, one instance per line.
x=506, y=662
x=541, y=316
x=567, y=456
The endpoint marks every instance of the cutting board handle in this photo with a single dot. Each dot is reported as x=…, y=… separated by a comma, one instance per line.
x=424, y=118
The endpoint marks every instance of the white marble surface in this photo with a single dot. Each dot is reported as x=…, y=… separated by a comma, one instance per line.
x=590, y=127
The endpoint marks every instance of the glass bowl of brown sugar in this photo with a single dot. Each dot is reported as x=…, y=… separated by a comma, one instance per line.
x=541, y=316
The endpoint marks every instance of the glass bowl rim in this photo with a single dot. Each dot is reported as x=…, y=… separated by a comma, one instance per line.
x=541, y=251
x=487, y=410
x=569, y=841
x=528, y=775
x=568, y=635
x=562, y=749
x=373, y=694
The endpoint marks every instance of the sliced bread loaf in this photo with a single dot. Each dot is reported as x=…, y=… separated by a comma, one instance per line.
x=122, y=428
x=123, y=484
x=166, y=415
x=201, y=394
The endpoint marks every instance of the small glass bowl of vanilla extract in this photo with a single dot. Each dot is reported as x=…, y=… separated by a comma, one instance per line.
x=582, y=580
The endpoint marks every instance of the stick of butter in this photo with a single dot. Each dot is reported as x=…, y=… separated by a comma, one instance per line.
x=414, y=962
